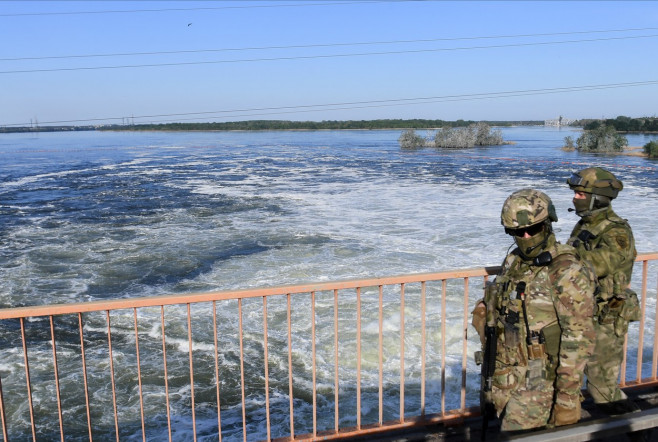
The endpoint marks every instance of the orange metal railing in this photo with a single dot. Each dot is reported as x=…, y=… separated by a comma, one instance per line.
x=356, y=324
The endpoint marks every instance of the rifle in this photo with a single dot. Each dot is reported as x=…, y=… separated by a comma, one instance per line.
x=487, y=408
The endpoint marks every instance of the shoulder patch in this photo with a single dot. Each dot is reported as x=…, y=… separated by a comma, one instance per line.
x=622, y=241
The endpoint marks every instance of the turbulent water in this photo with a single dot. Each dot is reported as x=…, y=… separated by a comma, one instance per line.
x=94, y=215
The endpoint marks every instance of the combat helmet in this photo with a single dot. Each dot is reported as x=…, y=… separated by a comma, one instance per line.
x=600, y=187
x=528, y=211
x=595, y=180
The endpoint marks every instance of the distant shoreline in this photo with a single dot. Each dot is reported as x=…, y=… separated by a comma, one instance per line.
x=278, y=125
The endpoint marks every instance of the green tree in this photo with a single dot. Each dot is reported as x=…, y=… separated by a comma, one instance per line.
x=410, y=140
x=569, y=144
x=651, y=149
x=476, y=134
x=592, y=125
x=487, y=137
x=602, y=139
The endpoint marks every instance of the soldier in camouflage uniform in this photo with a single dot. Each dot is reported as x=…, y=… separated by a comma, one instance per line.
x=541, y=306
x=606, y=240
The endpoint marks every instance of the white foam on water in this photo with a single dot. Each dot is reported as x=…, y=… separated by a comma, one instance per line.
x=291, y=217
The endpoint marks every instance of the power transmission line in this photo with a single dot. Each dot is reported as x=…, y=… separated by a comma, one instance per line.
x=307, y=57
x=366, y=104
x=216, y=8
x=447, y=98
x=326, y=45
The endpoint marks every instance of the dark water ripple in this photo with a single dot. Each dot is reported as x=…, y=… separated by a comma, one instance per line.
x=89, y=216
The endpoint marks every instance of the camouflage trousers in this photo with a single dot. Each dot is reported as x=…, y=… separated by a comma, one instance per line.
x=519, y=406
x=603, y=367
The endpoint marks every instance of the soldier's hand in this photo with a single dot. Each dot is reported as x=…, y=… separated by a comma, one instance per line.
x=480, y=319
x=565, y=414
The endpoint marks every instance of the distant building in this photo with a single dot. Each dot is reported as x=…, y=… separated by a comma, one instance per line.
x=558, y=122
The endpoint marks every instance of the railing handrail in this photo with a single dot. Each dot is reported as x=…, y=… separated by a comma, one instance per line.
x=222, y=295
x=192, y=298
x=417, y=296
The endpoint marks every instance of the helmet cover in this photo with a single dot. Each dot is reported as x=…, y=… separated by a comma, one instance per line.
x=597, y=181
x=527, y=207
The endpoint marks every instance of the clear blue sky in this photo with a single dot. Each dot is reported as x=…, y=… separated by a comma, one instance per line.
x=307, y=60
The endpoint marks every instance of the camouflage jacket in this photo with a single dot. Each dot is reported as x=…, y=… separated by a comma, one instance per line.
x=558, y=296
x=606, y=240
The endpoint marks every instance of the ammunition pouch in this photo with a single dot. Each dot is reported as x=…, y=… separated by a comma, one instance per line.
x=479, y=319
x=543, y=351
x=506, y=378
x=631, y=310
x=552, y=334
x=620, y=311
x=536, y=350
x=512, y=356
x=628, y=311
x=512, y=335
x=609, y=310
x=620, y=284
x=536, y=376
x=613, y=286
x=511, y=323
x=606, y=288
x=620, y=326
x=505, y=381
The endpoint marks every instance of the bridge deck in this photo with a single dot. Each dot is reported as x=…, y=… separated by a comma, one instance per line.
x=594, y=426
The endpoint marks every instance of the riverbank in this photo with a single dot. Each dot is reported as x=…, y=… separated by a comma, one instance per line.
x=634, y=151
x=631, y=151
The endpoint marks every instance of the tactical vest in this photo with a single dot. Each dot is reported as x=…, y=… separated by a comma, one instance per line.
x=523, y=341
x=615, y=283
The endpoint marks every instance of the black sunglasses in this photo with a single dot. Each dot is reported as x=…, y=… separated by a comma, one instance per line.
x=530, y=230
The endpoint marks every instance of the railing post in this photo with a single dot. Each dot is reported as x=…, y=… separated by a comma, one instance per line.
x=114, y=390
x=402, y=353
x=645, y=270
x=336, y=414
x=27, y=380
x=2, y=414
x=381, y=355
x=166, y=375
x=358, y=358
x=191, y=357
x=84, y=375
x=56, y=373
x=290, y=390
x=219, y=402
x=444, y=321
x=244, y=403
x=139, y=377
x=422, y=349
x=313, y=367
x=267, y=372
x=654, y=366
x=464, y=344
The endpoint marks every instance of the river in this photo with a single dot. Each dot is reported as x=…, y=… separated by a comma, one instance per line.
x=101, y=215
